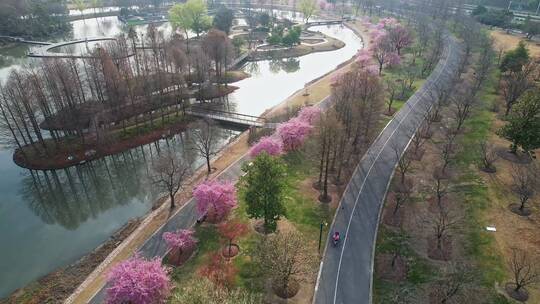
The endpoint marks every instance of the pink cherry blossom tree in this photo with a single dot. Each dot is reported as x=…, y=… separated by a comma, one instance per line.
x=322, y=5
x=309, y=114
x=383, y=52
x=377, y=34
x=269, y=144
x=399, y=36
x=180, y=240
x=293, y=133
x=336, y=78
x=215, y=199
x=389, y=21
x=138, y=281
x=364, y=57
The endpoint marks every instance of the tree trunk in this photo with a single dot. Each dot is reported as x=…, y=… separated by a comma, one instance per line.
x=171, y=195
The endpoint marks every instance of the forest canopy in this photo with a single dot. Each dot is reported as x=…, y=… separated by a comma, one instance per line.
x=33, y=18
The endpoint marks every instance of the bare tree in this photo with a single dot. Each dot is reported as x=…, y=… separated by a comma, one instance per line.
x=484, y=64
x=525, y=181
x=217, y=46
x=447, y=150
x=425, y=130
x=463, y=104
x=328, y=135
x=417, y=147
x=404, y=162
x=442, y=222
x=488, y=157
x=399, y=243
x=205, y=140
x=170, y=173
x=285, y=258
x=525, y=272
x=440, y=189
x=400, y=198
x=391, y=86
x=452, y=287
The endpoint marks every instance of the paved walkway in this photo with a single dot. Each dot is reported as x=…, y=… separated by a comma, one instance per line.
x=346, y=272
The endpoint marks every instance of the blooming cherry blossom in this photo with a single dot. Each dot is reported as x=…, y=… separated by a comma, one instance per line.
x=215, y=198
x=269, y=144
x=309, y=114
x=138, y=281
x=399, y=36
x=293, y=133
x=180, y=240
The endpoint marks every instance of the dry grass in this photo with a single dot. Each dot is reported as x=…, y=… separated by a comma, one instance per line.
x=513, y=231
x=506, y=42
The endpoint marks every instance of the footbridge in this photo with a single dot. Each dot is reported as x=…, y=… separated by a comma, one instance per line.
x=326, y=22
x=46, y=50
x=23, y=40
x=223, y=116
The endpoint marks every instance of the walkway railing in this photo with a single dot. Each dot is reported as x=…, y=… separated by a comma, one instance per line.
x=226, y=116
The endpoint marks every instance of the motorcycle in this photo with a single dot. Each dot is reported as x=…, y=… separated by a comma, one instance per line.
x=335, y=239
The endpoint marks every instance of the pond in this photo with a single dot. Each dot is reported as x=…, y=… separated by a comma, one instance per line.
x=51, y=219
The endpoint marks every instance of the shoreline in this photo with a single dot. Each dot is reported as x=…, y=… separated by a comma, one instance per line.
x=153, y=220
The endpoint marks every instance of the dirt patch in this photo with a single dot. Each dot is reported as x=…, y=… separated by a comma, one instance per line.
x=516, y=208
x=506, y=42
x=518, y=157
x=521, y=295
x=230, y=251
x=286, y=293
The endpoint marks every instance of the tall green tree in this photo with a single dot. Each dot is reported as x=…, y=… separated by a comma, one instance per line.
x=192, y=15
x=308, y=8
x=264, y=187
x=223, y=19
x=514, y=60
x=523, y=127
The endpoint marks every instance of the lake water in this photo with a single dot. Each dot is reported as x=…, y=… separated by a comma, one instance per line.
x=48, y=220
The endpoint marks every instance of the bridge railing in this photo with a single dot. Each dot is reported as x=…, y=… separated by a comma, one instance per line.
x=226, y=115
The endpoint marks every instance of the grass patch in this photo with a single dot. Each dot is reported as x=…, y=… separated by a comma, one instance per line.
x=420, y=271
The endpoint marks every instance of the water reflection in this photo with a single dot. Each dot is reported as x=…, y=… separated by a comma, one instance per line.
x=71, y=196
x=288, y=65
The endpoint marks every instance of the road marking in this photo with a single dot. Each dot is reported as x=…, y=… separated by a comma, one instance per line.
x=421, y=96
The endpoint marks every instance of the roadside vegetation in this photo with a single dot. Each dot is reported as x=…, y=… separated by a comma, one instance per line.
x=450, y=235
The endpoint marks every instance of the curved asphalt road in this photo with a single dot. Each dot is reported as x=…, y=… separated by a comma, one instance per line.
x=345, y=276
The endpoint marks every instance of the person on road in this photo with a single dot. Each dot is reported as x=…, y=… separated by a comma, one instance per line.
x=335, y=238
